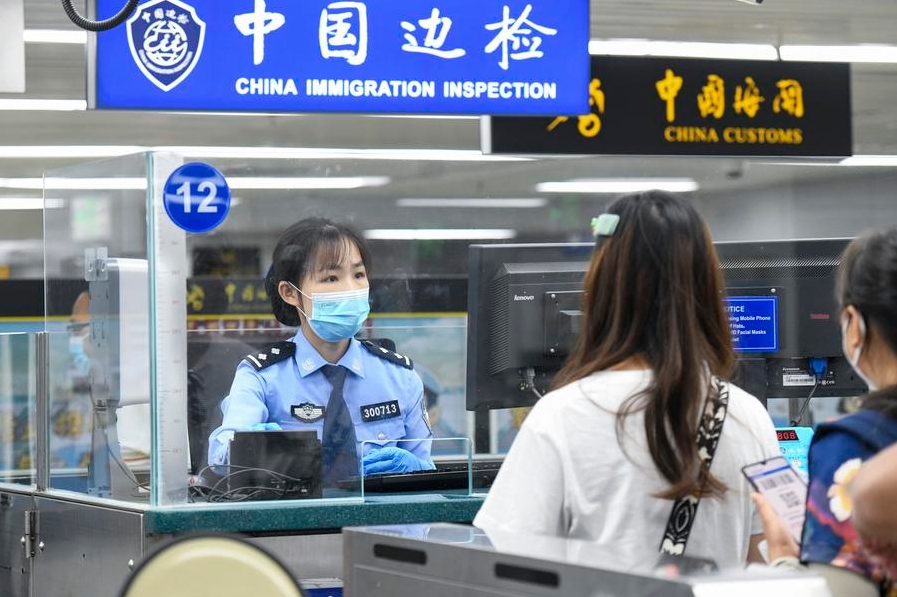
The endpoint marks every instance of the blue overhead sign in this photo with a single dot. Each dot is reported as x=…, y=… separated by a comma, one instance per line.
x=754, y=323
x=439, y=56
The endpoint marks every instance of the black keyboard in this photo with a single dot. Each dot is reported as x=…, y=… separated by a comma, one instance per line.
x=449, y=475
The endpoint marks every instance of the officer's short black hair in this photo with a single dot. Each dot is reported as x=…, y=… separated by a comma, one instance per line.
x=308, y=245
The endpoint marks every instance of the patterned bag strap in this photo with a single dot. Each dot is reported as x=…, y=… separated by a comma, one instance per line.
x=685, y=509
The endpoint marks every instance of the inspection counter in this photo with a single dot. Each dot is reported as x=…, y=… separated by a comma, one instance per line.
x=52, y=543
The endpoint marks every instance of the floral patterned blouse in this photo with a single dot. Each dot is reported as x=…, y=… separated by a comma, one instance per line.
x=836, y=454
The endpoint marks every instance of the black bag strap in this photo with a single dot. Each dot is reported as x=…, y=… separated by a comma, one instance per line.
x=709, y=430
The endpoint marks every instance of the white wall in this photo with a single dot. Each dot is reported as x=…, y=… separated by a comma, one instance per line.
x=825, y=209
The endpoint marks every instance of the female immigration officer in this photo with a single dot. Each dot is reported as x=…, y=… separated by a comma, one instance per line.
x=348, y=391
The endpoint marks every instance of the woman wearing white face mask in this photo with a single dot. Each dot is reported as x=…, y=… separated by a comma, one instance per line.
x=867, y=292
x=322, y=378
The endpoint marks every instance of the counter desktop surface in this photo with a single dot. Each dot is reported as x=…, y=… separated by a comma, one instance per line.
x=311, y=515
x=446, y=560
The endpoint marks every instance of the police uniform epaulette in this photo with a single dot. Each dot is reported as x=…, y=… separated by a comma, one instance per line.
x=392, y=357
x=271, y=354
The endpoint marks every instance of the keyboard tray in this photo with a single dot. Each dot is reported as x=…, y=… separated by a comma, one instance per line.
x=449, y=475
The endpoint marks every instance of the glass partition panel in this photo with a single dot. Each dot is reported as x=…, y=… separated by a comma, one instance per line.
x=97, y=290
x=417, y=296
x=437, y=344
x=219, y=343
x=18, y=407
x=418, y=292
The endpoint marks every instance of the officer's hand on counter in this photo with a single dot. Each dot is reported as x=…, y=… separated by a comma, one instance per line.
x=265, y=427
x=394, y=460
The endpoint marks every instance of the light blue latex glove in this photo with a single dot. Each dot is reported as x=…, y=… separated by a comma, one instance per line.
x=265, y=427
x=394, y=460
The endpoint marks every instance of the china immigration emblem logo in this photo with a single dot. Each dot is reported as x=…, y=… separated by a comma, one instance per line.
x=166, y=39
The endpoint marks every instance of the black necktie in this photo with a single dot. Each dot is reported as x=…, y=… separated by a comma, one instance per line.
x=338, y=439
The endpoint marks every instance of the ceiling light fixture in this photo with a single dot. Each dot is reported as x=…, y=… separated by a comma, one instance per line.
x=870, y=160
x=645, y=47
x=74, y=184
x=440, y=234
x=618, y=185
x=855, y=53
x=66, y=151
x=28, y=203
x=306, y=182
x=797, y=162
x=424, y=116
x=248, y=153
x=483, y=203
x=54, y=36
x=312, y=153
x=234, y=182
x=44, y=105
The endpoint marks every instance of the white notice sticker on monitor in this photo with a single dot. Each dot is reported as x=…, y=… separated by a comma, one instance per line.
x=794, y=376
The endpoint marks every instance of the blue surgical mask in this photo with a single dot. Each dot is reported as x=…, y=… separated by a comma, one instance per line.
x=854, y=359
x=336, y=316
x=80, y=360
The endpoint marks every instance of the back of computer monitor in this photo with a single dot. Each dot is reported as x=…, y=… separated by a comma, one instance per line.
x=212, y=358
x=272, y=465
x=523, y=315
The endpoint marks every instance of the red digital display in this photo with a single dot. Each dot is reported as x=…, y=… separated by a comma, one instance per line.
x=787, y=435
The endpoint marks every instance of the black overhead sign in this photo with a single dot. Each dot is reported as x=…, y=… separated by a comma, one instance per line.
x=677, y=106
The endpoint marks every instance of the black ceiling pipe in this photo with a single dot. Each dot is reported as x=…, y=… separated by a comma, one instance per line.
x=89, y=25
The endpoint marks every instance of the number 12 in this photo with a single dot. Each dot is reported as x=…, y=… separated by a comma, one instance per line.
x=205, y=207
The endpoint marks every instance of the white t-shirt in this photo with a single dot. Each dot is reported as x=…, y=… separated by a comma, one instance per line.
x=567, y=476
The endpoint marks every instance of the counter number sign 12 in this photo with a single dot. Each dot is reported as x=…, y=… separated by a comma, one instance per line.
x=197, y=197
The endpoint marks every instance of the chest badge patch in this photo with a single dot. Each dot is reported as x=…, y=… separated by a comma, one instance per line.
x=307, y=412
x=380, y=411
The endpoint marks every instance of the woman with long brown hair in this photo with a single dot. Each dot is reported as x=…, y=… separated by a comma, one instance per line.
x=641, y=427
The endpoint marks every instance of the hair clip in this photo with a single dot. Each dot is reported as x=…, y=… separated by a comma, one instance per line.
x=605, y=225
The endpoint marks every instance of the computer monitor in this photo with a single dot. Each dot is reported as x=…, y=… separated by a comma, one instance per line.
x=794, y=282
x=274, y=465
x=783, y=312
x=523, y=315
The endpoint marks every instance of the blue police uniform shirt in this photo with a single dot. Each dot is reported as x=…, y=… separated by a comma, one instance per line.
x=384, y=399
